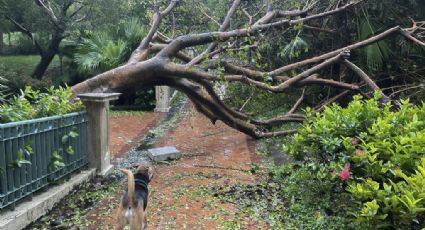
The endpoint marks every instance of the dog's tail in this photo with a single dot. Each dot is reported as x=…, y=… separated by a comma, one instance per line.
x=130, y=191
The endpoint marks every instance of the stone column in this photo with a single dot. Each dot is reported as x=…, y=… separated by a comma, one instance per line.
x=97, y=106
x=162, y=94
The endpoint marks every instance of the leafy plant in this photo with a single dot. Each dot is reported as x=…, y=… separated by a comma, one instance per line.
x=3, y=88
x=376, y=54
x=295, y=48
x=65, y=140
x=20, y=158
x=101, y=51
x=18, y=108
x=383, y=148
x=32, y=104
x=57, y=161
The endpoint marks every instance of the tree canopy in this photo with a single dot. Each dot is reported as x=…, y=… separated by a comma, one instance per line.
x=235, y=50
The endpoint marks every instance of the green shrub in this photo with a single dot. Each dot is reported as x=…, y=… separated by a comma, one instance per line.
x=32, y=104
x=3, y=88
x=382, y=148
x=17, y=76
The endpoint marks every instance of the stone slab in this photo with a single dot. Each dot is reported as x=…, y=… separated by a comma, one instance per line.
x=162, y=110
x=164, y=153
x=29, y=211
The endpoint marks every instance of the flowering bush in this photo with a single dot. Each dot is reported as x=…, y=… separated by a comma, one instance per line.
x=378, y=152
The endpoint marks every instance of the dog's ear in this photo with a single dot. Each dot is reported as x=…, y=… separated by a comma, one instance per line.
x=150, y=172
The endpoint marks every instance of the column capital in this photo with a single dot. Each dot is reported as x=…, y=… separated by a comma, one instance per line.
x=99, y=97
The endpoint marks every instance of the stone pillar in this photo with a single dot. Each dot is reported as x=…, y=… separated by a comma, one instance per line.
x=162, y=95
x=97, y=106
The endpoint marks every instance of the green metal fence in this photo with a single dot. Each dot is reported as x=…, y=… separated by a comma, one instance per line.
x=37, y=152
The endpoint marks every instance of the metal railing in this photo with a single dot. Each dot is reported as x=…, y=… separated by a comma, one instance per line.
x=37, y=152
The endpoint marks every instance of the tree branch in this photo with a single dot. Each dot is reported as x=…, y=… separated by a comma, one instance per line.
x=328, y=55
x=298, y=103
x=223, y=27
x=280, y=13
x=47, y=8
x=139, y=53
x=205, y=38
x=25, y=31
x=366, y=78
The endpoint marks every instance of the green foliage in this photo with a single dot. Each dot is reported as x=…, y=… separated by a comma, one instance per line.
x=123, y=113
x=23, y=65
x=295, y=48
x=397, y=201
x=20, y=157
x=374, y=55
x=289, y=200
x=16, y=70
x=32, y=104
x=65, y=140
x=131, y=31
x=56, y=161
x=384, y=147
x=101, y=51
x=259, y=103
x=54, y=102
x=3, y=88
x=18, y=108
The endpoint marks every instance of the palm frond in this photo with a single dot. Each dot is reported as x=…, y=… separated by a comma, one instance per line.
x=376, y=54
x=295, y=48
x=132, y=31
x=99, y=52
x=112, y=54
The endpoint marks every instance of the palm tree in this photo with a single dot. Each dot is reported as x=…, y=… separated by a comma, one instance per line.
x=101, y=51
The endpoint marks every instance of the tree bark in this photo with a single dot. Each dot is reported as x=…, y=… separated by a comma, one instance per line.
x=47, y=56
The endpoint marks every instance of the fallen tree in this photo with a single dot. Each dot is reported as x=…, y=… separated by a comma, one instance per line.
x=160, y=60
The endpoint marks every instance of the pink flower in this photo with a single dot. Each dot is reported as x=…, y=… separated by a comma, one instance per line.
x=354, y=141
x=344, y=175
x=359, y=152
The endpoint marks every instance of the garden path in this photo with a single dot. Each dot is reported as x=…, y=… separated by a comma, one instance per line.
x=126, y=131
x=213, y=156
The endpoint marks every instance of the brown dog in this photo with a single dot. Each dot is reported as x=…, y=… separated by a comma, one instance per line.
x=133, y=204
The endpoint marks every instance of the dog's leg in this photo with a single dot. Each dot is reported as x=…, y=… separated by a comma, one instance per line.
x=137, y=218
x=136, y=223
x=145, y=220
x=120, y=219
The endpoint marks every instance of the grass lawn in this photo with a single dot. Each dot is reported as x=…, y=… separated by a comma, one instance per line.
x=25, y=64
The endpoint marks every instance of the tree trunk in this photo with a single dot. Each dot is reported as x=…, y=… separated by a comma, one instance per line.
x=42, y=66
x=47, y=57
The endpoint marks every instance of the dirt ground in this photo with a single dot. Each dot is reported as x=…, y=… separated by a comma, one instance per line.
x=181, y=193
x=126, y=131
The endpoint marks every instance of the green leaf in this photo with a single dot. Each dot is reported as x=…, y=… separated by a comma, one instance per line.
x=73, y=134
x=65, y=139
x=70, y=150
x=21, y=162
